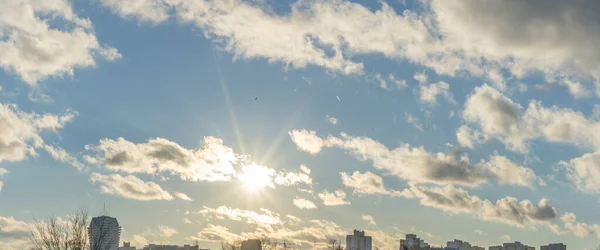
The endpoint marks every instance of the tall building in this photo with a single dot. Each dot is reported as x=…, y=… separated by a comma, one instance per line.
x=461, y=245
x=358, y=241
x=169, y=247
x=104, y=233
x=555, y=246
x=251, y=245
x=127, y=246
x=512, y=246
x=413, y=242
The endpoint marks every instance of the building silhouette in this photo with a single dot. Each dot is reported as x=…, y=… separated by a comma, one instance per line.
x=169, y=247
x=413, y=242
x=512, y=246
x=358, y=241
x=127, y=246
x=555, y=246
x=104, y=233
x=251, y=245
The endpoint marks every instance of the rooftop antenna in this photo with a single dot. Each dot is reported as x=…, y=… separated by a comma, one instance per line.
x=105, y=213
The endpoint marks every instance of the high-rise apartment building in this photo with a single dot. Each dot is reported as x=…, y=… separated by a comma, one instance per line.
x=461, y=245
x=104, y=233
x=169, y=247
x=358, y=241
x=127, y=246
x=413, y=242
x=251, y=245
x=555, y=246
x=512, y=246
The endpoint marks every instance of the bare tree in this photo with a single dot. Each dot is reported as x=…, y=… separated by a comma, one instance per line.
x=335, y=244
x=266, y=243
x=234, y=245
x=57, y=234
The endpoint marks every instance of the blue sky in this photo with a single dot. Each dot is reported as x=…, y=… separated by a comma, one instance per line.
x=222, y=120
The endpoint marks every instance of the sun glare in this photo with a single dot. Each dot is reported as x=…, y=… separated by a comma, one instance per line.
x=255, y=177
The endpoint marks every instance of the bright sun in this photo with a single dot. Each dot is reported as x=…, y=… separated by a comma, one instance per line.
x=255, y=177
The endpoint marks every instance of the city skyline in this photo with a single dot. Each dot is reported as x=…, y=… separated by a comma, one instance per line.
x=301, y=120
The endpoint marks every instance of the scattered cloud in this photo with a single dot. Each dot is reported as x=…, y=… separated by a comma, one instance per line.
x=187, y=221
x=367, y=183
x=212, y=162
x=507, y=210
x=369, y=219
x=20, y=132
x=182, y=196
x=292, y=178
x=430, y=92
x=263, y=218
x=569, y=217
x=333, y=199
x=304, y=203
x=331, y=119
x=477, y=231
x=130, y=187
x=59, y=154
x=417, y=165
x=498, y=117
x=33, y=49
x=421, y=77
x=398, y=82
x=414, y=121
x=167, y=231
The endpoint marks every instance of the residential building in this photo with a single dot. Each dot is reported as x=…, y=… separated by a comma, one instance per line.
x=170, y=247
x=512, y=246
x=555, y=246
x=251, y=245
x=127, y=246
x=461, y=245
x=413, y=242
x=104, y=233
x=358, y=241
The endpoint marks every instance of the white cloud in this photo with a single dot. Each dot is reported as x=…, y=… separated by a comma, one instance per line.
x=2, y=172
x=576, y=89
x=369, y=219
x=333, y=199
x=430, y=92
x=212, y=162
x=569, y=217
x=139, y=240
x=507, y=210
x=331, y=119
x=421, y=77
x=579, y=229
x=263, y=218
x=14, y=234
x=499, y=117
x=130, y=187
x=307, y=232
x=507, y=172
x=382, y=82
x=304, y=203
x=477, y=231
x=187, y=221
x=398, y=82
x=33, y=49
x=20, y=131
x=154, y=11
x=414, y=121
x=167, y=231
x=291, y=178
x=182, y=196
x=505, y=238
x=307, y=141
x=59, y=154
x=367, y=183
x=584, y=172
x=417, y=165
